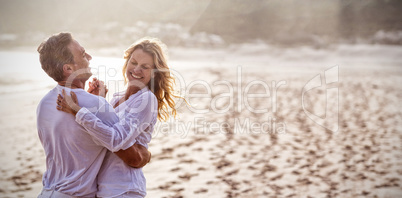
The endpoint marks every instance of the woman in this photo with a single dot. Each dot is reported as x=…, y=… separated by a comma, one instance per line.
x=149, y=96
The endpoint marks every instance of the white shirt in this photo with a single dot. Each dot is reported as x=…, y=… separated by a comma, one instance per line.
x=138, y=115
x=73, y=157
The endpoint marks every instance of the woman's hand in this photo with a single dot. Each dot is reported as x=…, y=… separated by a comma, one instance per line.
x=92, y=86
x=97, y=87
x=68, y=104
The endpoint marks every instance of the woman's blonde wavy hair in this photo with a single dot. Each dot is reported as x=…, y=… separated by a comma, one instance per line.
x=162, y=84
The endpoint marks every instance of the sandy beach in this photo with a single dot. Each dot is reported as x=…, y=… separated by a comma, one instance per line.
x=257, y=128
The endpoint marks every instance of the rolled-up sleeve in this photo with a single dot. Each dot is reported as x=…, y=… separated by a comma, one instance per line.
x=121, y=135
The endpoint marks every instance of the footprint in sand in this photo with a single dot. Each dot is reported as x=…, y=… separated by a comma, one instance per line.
x=167, y=185
x=232, y=172
x=175, y=169
x=276, y=177
x=187, y=176
x=187, y=161
x=223, y=163
x=181, y=155
x=210, y=182
x=197, y=149
x=202, y=190
x=201, y=169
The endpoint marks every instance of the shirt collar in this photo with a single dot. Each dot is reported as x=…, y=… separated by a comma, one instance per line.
x=59, y=88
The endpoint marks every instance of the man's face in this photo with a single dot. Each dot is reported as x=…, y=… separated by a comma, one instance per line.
x=81, y=68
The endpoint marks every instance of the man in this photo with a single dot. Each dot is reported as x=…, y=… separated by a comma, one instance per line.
x=73, y=157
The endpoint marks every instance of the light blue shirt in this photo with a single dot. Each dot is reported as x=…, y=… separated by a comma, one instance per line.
x=138, y=116
x=73, y=156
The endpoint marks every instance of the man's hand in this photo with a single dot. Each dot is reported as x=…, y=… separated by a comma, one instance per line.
x=136, y=156
x=97, y=87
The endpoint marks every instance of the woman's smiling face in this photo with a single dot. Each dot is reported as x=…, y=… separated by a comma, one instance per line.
x=139, y=68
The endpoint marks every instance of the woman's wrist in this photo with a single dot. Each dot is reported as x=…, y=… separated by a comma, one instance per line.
x=75, y=109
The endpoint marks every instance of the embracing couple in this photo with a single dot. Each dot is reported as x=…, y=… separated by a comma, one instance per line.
x=94, y=148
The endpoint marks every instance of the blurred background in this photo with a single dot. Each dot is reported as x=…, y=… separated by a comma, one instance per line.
x=205, y=23
x=210, y=42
